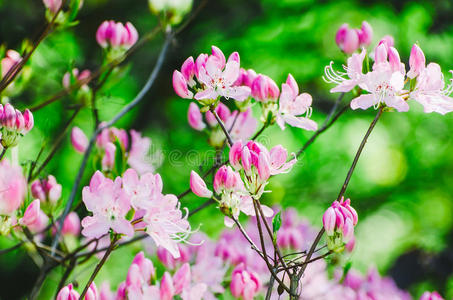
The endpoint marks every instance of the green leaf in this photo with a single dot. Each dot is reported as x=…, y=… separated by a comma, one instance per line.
x=120, y=161
x=277, y=222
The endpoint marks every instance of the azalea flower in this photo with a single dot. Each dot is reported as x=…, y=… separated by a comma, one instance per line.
x=353, y=76
x=292, y=106
x=109, y=205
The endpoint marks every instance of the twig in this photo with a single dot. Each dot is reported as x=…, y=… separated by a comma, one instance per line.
x=98, y=267
x=345, y=185
x=225, y=131
x=3, y=153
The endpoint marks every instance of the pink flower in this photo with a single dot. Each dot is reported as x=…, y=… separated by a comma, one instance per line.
x=198, y=186
x=71, y=225
x=218, y=78
x=105, y=293
x=222, y=111
x=264, y=89
x=46, y=189
x=292, y=105
x=243, y=124
x=244, y=284
x=365, y=34
x=111, y=34
x=92, y=293
x=141, y=190
x=109, y=205
x=34, y=218
x=170, y=262
x=195, y=117
x=138, y=157
x=78, y=139
x=68, y=78
x=180, y=85
x=13, y=186
x=68, y=293
x=384, y=85
x=108, y=161
x=167, y=290
x=14, y=124
x=347, y=39
x=12, y=57
x=431, y=296
x=353, y=72
x=429, y=90
x=339, y=221
x=165, y=223
x=416, y=61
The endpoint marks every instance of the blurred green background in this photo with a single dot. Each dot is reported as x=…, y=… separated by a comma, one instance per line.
x=402, y=186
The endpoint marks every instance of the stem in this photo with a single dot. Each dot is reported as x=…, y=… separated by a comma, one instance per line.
x=99, y=266
x=344, y=187
x=359, y=151
x=227, y=134
x=3, y=153
x=270, y=288
x=259, y=132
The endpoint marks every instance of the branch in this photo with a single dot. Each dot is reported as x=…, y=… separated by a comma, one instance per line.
x=225, y=131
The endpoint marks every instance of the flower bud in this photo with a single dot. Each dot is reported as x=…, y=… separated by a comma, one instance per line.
x=145, y=265
x=431, y=296
x=130, y=35
x=92, y=293
x=31, y=214
x=198, y=186
x=235, y=155
x=71, y=225
x=292, y=84
x=29, y=121
x=329, y=221
x=52, y=5
x=181, y=279
x=108, y=161
x=188, y=68
x=264, y=168
x=234, y=57
x=111, y=34
x=380, y=54
x=180, y=86
x=416, y=61
x=259, y=88
x=394, y=60
x=9, y=117
x=217, y=53
x=167, y=290
x=68, y=293
x=388, y=41
x=12, y=57
x=79, y=140
x=341, y=34
x=365, y=34
x=195, y=117
x=37, y=190
x=350, y=40
x=244, y=284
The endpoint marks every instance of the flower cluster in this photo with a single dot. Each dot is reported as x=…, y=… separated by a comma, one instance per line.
x=388, y=84
x=351, y=39
x=211, y=77
x=69, y=293
x=111, y=201
x=133, y=150
x=69, y=78
x=111, y=34
x=46, y=190
x=241, y=125
x=253, y=165
x=14, y=124
x=339, y=221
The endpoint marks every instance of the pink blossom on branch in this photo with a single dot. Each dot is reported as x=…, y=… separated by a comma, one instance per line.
x=109, y=204
x=13, y=186
x=339, y=221
x=114, y=34
x=292, y=106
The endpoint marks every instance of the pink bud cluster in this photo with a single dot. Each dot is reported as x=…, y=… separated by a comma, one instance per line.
x=244, y=284
x=46, y=189
x=69, y=293
x=11, y=58
x=74, y=75
x=34, y=218
x=209, y=77
x=141, y=283
x=14, y=124
x=111, y=34
x=241, y=125
x=136, y=147
x=388, y=84
x=339, y=221
x=110, y=201
x=431, y=296
x=256, y=164
x=350, y=39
